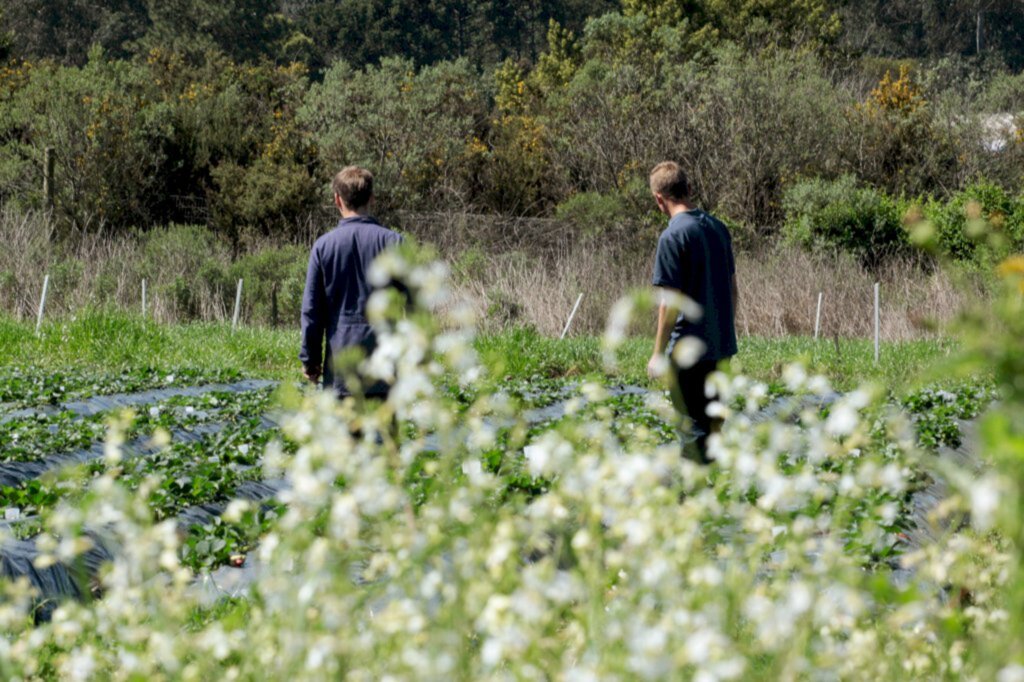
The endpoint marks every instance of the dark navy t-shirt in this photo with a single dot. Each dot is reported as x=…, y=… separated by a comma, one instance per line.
x=695, y=256
x=337, y=289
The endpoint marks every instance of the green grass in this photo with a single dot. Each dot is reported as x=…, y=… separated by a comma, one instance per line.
x=112, y=341
x=907, y=364
x=521, y=353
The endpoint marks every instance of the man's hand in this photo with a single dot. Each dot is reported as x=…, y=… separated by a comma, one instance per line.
x=312, y=374
x=657, y=366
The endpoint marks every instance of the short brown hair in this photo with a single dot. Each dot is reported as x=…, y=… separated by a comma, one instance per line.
x=354, y=185
x=669, y=180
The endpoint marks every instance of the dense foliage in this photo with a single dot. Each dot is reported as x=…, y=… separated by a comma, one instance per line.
x=234, y=115
x=318, y=32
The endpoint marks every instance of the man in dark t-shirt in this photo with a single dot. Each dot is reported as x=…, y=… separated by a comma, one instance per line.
x=694, y=259
x=338, y=286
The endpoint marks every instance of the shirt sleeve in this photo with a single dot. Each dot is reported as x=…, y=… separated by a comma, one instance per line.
x=668, y=263
x=313, y=311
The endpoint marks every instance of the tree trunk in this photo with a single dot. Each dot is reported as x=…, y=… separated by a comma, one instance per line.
x=978, y=33
x=273, y=307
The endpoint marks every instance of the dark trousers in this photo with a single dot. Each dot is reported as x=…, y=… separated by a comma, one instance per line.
x=690, y=400
x=368, y=404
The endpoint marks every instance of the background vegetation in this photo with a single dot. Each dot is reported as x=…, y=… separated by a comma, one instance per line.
x=515, y=139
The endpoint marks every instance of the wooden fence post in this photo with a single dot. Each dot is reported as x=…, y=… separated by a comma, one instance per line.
x=48, y=166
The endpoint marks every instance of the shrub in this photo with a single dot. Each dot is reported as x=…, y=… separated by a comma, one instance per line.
x=470, y=265
x=955, y=223
x=131, y=139
x=741, y=126
x=187, y=268
x=900, y=141
x=264, y=199
x=628, y=218
x=841, y=216
x=411, y=127
x=593, y=213
x=106, y=137
x=274, y=283
x=65, y=277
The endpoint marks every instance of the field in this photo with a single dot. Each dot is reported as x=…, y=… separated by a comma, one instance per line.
x=177, y=503
x=529, y=514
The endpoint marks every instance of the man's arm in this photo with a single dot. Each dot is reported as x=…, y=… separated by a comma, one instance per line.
x=313, y=308
x=667, y=315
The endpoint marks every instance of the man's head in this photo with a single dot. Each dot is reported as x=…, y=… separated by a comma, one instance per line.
x=353, y=188
x=670, y=186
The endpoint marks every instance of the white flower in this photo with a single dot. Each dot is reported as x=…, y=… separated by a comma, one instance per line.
x=548, y=455
x=235, y=510
x=1011, y=673
x=80, y=665
x=985, y=494
x=819, y=385
x=688, y=351
x=689, y=308
x=618, y=326
x=594, y=392
x=842, y=420
x=795, y=377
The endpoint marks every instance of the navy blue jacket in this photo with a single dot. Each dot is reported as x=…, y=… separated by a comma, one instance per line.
x=695, y=256
x=337, y=289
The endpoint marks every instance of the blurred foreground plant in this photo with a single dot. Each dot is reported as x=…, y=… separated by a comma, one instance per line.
x=786, y=559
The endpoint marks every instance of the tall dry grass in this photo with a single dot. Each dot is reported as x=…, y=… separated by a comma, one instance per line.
x=91, y=270
x=778, y=292
x=79, y=274
x=513, y=272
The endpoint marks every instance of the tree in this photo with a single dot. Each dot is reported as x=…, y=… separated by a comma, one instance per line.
x=929, y=29
x=484, y=31
x=799, y=24
x=245, y=30
x=65, y=30
x=106, y=135
x=413, y=128
x=5, y=39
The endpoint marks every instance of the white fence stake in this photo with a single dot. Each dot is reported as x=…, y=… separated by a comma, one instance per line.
x=878, y=322
x=572, y=316
x=238, y=306
x=143, y=299
x=817, y=318
x=42, y=304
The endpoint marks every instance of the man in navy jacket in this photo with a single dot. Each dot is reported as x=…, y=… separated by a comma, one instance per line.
x=337, y=283
x=695, y=259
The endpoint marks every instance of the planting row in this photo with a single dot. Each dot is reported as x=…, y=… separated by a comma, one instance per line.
x=220, y=437
x=30, y=387
x=27, y=439
x=190, y=454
